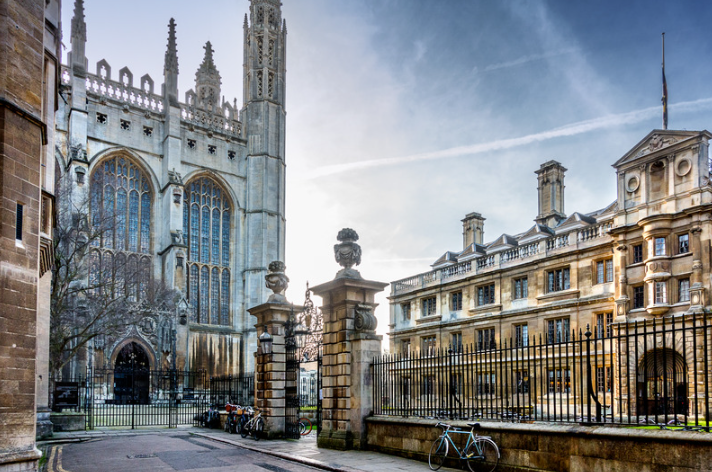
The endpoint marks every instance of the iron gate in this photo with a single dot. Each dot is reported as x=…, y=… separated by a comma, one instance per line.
x=303, y=346
x=134, y=397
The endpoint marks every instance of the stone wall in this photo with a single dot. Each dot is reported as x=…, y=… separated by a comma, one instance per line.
x=557, y=448
x=22, y=26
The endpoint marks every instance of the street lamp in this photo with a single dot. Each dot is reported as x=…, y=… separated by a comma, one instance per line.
x=265, y=342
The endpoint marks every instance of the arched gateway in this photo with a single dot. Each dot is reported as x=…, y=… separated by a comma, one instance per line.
x=132, y=375
x=662, y=383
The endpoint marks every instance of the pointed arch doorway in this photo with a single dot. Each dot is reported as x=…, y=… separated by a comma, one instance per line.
x=132, y=375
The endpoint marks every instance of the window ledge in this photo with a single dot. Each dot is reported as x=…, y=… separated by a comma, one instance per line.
x=486, y=308
x=425, y=319
x=560, y=293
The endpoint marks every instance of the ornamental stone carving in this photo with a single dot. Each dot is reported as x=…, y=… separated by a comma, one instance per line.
x=365, y=320
x=277, y=281
x=347, y=253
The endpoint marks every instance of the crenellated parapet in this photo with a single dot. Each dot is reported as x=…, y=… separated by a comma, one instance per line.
x=100, y=87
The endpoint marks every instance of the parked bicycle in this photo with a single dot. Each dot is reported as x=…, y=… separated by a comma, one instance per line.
x=254, y=426
x=480, y=453
x=234, y=420
x=305, y=426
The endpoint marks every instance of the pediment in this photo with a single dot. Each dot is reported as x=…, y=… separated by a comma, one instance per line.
x=502, y=243
x=472, y=251
x=655, y=141
x=576, y=220
x=535, y=233
x=445, y=260
x=606, y=212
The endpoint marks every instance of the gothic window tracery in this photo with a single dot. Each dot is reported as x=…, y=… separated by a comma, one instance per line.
x=120, y=217
x=206, y=224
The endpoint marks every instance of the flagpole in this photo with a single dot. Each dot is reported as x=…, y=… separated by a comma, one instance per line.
x=665, y=94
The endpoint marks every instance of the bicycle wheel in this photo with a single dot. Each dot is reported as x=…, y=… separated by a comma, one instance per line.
x=245, y=429
x=257, y=430
x=438, y=452
x=482, y=455
x=307, y=426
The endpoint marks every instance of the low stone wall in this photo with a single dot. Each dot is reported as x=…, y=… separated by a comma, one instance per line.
x=557, y=448
x=68, y=421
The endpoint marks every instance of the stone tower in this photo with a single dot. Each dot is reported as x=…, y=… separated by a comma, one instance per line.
x=264, y=97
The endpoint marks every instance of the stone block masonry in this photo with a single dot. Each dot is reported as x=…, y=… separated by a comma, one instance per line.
x=23, y=141
x=556, y=448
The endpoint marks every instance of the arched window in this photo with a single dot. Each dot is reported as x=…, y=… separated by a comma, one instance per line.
x=206, y=225
x=120, y=199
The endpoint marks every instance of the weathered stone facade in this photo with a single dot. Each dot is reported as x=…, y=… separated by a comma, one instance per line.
x=29, y=47
x=203, y=185
x=643, y=257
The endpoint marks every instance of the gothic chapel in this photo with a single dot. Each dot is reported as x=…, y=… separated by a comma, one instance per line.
x=196, y=186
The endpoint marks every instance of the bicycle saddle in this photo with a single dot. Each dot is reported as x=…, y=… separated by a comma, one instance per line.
x=474, y=425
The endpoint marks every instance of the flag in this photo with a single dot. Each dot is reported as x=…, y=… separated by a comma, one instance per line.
x=665, y=94
x=665, y=100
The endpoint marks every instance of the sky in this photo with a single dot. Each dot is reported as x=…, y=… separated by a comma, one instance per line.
x=403, y=116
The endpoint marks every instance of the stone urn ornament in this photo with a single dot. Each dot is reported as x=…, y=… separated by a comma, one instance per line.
x=277, y=281
x=347, y=254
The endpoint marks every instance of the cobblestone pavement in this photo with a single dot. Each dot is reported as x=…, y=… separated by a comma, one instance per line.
x=198, y=448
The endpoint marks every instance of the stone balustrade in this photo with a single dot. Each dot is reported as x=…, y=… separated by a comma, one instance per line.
x=513, y=256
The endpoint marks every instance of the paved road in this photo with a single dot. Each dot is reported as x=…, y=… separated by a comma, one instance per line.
x=161, y=452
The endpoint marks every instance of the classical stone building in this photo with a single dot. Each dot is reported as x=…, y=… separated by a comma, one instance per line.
x=643, y=257
x=197, y=185
x=29, y=69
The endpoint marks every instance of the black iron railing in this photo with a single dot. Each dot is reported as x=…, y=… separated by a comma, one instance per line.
x=643, y=372
x=238, y=390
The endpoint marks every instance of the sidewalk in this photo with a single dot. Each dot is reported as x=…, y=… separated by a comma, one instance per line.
x=303, y=451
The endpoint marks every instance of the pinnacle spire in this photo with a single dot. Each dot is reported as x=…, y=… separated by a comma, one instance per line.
x=245, y=25
x=207, y=81
x=79, y=26
x=171, y=60
x=208, y=66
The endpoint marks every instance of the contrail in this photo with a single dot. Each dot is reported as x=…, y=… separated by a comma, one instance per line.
x=572, y=129
x=526, y=59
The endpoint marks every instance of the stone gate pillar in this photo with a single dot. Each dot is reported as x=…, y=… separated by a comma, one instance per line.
x=270, y=362
x=349, y=345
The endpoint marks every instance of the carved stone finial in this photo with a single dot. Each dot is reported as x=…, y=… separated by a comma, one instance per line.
x=79, y=26
x=347, y=253
x=207, y=81
x=277, y=281
x=171, y=60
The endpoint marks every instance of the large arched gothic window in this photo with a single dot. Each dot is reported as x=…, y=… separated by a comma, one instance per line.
x=121, y=199
x=206, y=226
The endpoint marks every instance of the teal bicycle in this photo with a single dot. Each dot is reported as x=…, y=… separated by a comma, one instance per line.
x=480, y=453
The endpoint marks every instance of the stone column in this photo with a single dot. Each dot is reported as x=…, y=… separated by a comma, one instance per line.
x=622, y=286
x=349, y=346
x=270, y=362
x=697, y=290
